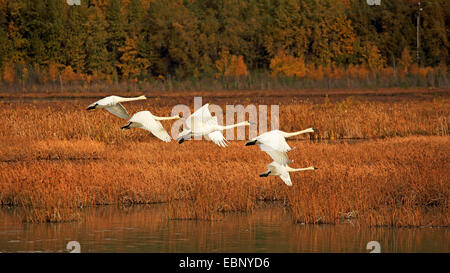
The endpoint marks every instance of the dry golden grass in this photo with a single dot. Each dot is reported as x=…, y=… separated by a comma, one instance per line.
x=400, y=182
x=57, y=157
x=397, y=182
x=350, y=117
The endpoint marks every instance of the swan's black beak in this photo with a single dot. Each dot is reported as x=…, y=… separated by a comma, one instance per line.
x=315, y=168
x=181, y=140
x=266, y=174
x=91, y=107
x=315, y=130
x=126, y=126
x=250, y=142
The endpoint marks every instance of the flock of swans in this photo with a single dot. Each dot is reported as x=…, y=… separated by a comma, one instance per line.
x=202, y=123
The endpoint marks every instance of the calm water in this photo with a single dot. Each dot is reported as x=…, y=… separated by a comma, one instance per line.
x=147, y=229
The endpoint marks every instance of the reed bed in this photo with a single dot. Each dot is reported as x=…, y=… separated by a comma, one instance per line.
x=395, y=182
x=58, y=158
x=350, y=117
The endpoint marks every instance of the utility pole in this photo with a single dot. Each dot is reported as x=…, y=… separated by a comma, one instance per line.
x=418, y=34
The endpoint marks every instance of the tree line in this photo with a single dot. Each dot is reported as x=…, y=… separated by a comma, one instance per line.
x=137, y=40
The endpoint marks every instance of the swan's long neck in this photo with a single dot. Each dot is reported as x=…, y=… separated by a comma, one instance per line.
x=132, y=99
x=167, y=118
x=244, y=123
x=309, y=130
x=289, y=169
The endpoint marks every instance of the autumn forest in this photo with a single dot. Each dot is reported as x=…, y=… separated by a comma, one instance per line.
x=223, y=43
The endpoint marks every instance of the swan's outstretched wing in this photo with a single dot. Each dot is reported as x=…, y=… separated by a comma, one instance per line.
x=199, y=117
x=275, y=140
x=202, y=118
x=286, y=178
x=279, y=157
x=281, y=170
x=156, y=128
x=218, y=138
x=118, y=110
x=274, y=144
x=148, y=122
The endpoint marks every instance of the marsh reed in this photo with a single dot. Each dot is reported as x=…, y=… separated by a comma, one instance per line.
x=57, y=158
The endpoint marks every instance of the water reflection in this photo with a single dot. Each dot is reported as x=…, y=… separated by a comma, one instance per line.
x=147, y=229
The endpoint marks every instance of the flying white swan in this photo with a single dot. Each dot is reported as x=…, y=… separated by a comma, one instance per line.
x=149, y=122
x=113, y=105
x=283, y=171
x=275, y=145
x=202, y=123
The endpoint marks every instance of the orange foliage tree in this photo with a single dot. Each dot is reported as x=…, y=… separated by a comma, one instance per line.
x=131, y=64
x=283, y=64
x=374, y=59
x=8, y=73
x=53, y=72
x=68, y=75
x=405, y=61
x=231, y=65
x=237, y=67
